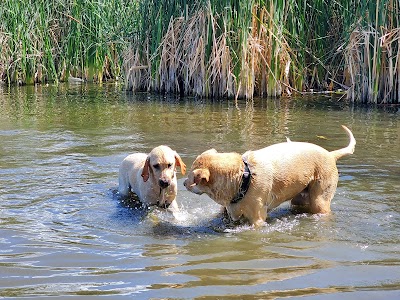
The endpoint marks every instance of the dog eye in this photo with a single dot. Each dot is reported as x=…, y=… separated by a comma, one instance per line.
x=169, y=165
x=156, y=166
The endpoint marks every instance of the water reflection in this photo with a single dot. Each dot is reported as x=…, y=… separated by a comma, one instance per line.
x=65, y=232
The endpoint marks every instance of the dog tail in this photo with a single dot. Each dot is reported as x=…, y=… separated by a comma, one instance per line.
x=347, y=150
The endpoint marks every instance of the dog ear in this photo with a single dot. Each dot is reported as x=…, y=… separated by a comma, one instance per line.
x=200, y=174
x=145, y=171
x=180, y=163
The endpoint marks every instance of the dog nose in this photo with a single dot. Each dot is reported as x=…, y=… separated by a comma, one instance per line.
x=163, y=183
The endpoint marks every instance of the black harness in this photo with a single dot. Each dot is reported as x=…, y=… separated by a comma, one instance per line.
x=244, y=186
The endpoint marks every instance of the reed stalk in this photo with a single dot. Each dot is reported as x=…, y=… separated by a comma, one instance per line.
x=208, y=48
x=372, y=54
x=52, y=40
x=237, y=48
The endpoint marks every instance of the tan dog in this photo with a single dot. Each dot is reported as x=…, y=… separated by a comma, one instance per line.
x=302, y=172
x=152, y=177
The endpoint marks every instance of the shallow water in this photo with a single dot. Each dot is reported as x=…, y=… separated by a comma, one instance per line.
x=65, y=232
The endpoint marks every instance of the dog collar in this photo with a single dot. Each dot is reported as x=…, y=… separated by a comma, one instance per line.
x=244, y=186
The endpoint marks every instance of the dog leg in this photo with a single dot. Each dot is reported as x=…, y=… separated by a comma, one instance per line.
x=259, y=219
x=123, y=185
x=256, y=213
x=321, y=193
x=234, y=212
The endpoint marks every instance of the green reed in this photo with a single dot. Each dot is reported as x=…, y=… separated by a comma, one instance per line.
x=247, y=48
x=208, y=48
x=372, y=53
x=44, y=40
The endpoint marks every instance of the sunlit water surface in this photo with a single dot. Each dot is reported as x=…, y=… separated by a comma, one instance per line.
x=65, y=232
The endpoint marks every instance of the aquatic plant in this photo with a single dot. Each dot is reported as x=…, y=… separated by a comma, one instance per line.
x=207, y=48
x=44, y=40
x=268, y=48
x=235, y=48
x=372, y=53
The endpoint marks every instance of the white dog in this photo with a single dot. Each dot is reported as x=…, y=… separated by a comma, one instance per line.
x=152, y=177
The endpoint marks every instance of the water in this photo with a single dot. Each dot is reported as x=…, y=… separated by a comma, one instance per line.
x=65, y=232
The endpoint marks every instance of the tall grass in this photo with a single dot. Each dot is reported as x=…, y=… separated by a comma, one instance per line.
x=372, y=53
x=52, y=40
x=210, y=49
x=207, y=48
x=236, y=48
x=268, y=48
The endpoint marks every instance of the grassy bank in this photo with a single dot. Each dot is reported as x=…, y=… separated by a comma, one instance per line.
x=208, y=48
